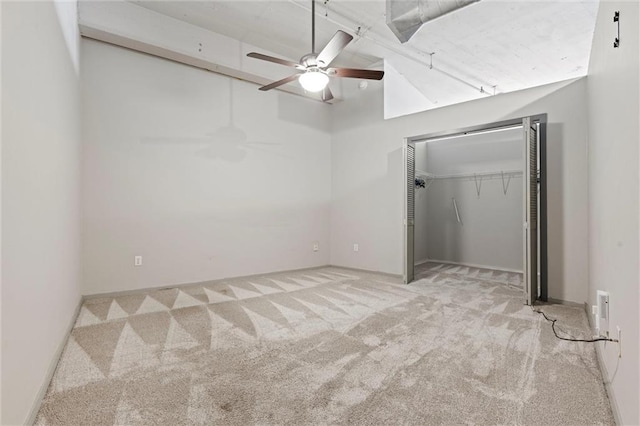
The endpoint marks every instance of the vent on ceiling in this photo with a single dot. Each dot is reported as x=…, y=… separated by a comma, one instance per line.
x=405, y=17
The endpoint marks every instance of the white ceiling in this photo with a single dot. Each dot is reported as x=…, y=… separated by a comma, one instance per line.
x=492, y=46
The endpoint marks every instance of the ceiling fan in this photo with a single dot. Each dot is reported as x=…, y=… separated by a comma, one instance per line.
x=313, y=70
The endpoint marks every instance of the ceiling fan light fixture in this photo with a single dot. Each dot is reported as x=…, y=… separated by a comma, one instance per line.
x=313, y=80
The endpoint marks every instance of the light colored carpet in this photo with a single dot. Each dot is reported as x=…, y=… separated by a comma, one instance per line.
x=432, y=269
x=326, y=346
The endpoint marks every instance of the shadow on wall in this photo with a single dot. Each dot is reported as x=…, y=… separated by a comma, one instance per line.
x=367, y=108
x=227, y=143
x=295, y=109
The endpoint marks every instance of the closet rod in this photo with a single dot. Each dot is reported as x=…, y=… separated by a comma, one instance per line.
x=497, y=174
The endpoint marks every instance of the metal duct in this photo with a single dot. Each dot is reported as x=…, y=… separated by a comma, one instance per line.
x=405, y=17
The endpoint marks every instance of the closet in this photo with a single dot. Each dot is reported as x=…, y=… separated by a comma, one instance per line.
x=468, y=200
x=472, y=201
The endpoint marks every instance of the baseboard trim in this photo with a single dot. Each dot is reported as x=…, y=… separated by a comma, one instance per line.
x=214, y=281
x=370, y=271
x=472, y=265
x=605, y=373
x=31, y=419
x=564, y=302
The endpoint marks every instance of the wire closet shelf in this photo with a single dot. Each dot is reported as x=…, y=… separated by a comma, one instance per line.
x=471, y=176
x=477, y=177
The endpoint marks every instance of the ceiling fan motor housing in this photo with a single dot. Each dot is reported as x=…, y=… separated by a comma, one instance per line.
x=309, y=60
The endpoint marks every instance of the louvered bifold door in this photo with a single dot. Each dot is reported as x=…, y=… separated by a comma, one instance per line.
x=530, y=211
x=410, y=182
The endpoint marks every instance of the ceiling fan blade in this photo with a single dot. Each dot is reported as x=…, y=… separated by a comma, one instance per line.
x=274, y=60
x=356, y=73
x=326, y=94
x=279, y=82
x=333, y=48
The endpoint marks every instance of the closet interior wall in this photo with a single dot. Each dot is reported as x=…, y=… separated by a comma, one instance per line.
x=483, y=174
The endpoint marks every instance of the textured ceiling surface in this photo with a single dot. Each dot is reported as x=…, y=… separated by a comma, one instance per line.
x=489, y=47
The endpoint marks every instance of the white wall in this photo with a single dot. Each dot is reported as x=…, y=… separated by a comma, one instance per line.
x=491, y=231
x=613, y=96
x=40, y=200
x=166, y=177
x=400, y=96
x=1, y=116
x=367, y=176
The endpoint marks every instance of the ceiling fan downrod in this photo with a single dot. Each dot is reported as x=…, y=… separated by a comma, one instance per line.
x=313, y=27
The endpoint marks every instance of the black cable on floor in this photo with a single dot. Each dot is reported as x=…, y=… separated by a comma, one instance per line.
x=553, y=327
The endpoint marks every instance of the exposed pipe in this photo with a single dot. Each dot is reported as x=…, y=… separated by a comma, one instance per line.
x=391, y=47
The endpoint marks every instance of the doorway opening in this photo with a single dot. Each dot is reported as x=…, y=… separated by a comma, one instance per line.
x=475, y=200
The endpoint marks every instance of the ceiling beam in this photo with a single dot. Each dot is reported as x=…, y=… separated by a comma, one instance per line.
x=131, y=26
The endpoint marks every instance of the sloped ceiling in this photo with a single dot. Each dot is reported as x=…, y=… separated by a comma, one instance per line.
x=487, y=48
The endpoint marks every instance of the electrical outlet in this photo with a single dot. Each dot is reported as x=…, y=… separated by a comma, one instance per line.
x=316, y=246
x=619, y=342
x=137, y=261
x=356, y=247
